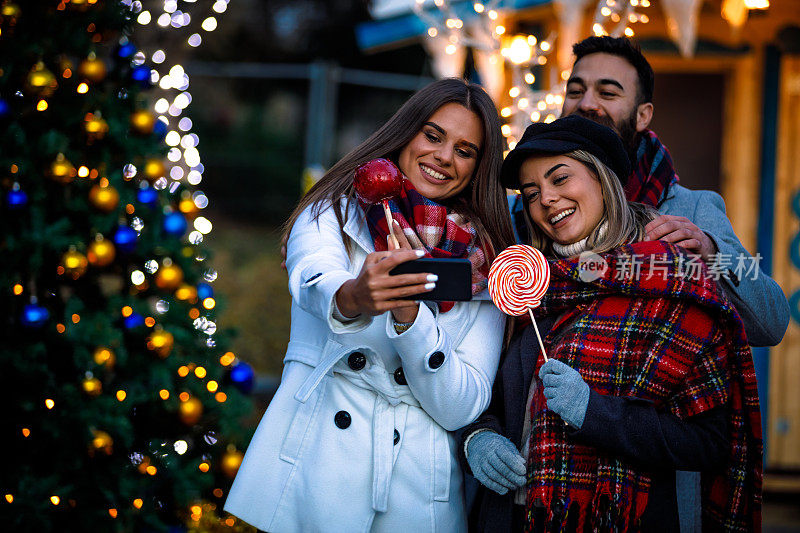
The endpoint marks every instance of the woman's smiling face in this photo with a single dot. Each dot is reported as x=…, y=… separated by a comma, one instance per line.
x=563, y=196
x=441, y=158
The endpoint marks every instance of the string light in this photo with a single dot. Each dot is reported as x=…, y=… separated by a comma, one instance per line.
x=485, y=33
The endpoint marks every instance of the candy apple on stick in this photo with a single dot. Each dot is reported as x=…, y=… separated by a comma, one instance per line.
x=379, y=180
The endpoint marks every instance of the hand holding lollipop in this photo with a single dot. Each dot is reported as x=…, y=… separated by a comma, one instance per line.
x=518, y=280
x=379, y=180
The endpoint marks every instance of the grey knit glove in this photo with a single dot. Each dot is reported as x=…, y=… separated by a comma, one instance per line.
x=566, y=392
x=495, y=462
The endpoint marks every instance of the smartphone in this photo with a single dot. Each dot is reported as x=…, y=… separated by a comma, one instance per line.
x=455, y=278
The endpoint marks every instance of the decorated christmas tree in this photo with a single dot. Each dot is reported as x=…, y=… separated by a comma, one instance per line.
x=122, y=405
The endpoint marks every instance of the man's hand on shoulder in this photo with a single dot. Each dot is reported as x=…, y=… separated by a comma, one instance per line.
x=683, y=232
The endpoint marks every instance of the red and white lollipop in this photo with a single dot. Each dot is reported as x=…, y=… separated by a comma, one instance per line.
x=379, y=180
x=518, y=280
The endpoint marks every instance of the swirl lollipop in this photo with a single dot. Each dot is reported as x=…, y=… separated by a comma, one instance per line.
x=518, y=280
x=376, y=181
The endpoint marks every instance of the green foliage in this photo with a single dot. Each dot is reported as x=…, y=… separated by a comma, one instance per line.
x=63, y=450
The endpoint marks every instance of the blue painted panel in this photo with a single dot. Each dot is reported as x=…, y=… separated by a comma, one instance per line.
x=766, y=219
x=769, y=143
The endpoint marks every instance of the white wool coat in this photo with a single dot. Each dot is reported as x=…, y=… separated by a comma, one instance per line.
x=349, y=448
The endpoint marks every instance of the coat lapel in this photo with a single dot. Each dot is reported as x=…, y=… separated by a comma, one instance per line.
x=356, y=228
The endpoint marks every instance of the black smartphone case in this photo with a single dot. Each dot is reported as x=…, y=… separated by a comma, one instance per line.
x=455, y=278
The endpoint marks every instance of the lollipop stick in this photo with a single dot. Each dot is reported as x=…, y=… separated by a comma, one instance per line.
x=535, y=327
x=388, y=213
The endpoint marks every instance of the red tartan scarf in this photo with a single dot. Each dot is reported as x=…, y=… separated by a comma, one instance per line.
x=430, y=225
x=661, y=336
x=653, y=173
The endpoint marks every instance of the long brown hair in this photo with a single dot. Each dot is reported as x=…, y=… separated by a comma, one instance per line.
x=483, y=202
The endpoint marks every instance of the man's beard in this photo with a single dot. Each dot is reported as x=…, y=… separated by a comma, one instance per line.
x=626, y=128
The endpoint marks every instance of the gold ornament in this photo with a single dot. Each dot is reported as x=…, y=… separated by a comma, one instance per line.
x=154, y=169
x=80, y=5
x=231, y=461
x=9, y=13
x=104, y=199
x=101, y=252
x=62, y=170
x=92, y=69
x=142, y=122
x=161, y=342
x=101, y=442
x=95, y=127
x=190, y=411
x=187, y=205
x=104, y=356
x=92, y=386
x=41, y=81
x=186, y=293
x=169, y=277
x=74, y=263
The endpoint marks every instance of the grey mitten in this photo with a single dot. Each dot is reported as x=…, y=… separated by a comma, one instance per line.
x=496, y=462
x=566, y=392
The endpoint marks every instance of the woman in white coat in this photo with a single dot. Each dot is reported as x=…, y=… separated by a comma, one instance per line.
x=357, y=437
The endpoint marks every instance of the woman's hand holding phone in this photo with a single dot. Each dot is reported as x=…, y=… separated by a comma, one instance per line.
x=375, y=291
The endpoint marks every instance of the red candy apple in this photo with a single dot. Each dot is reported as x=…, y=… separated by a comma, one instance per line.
x=377, y=180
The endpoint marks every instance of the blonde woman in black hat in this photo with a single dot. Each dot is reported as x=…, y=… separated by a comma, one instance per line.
x=649, y=372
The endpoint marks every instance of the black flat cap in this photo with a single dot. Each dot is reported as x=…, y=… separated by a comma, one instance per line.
x=566, y=134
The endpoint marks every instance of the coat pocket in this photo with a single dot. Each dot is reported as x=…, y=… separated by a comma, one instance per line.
x=301, y=423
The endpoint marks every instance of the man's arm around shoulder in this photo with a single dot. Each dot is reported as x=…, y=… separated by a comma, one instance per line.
x=758, y=298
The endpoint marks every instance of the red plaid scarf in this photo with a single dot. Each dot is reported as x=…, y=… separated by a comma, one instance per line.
x=653, y=173
x=660, y=336
x=428, y=224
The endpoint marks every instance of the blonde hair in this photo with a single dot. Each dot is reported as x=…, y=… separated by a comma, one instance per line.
x=625, y=221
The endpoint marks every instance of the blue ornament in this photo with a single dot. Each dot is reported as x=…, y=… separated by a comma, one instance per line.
x=175, y=224
x=243, y=377
x=126, y=50
x=34, y=316
x=141, y=75
x=160, y=129
x=125, y=239
x=4, y=108
x=204, y=291
x=134, y=320
x=17, y=199
x=148, y=196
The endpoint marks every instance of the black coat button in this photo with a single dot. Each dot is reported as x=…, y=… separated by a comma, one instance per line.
x=436, y=360
x=342, y=420
x=357, y=361
x=396, y=436
x=399, y=377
